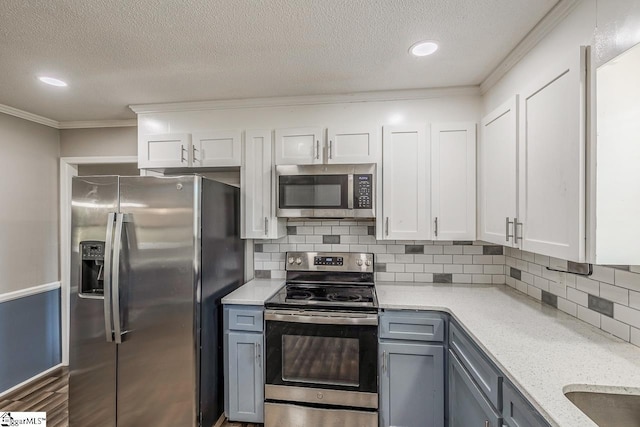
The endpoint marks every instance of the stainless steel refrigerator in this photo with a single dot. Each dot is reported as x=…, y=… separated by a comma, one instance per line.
x=151, y=259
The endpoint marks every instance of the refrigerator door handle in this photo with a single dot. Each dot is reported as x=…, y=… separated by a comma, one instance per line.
x=115, y=288
x=108, y=252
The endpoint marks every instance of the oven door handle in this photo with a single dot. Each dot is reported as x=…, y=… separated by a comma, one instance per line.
x=323, y=318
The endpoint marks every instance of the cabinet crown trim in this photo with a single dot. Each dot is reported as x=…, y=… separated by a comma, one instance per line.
x=375, y=96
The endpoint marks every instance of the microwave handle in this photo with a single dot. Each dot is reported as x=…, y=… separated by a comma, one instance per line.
x=350, y=192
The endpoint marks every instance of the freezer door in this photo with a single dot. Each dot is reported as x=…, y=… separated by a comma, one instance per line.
x=92, y=360
x=157, y=289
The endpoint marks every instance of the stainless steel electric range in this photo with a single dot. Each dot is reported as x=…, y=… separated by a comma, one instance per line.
x=322, y=343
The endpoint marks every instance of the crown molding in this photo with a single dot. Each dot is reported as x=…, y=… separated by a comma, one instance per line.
x=28, y=116
x=286, y=101
x=86, y=124
x=560, y=11
x=79, y=124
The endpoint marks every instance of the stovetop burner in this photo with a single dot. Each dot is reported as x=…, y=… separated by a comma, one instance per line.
x=315, y=281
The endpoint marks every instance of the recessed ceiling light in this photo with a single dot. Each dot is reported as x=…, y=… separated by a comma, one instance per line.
x=51, y=81
x=424, y=48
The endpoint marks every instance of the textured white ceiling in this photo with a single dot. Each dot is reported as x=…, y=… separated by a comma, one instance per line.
x=115, y=52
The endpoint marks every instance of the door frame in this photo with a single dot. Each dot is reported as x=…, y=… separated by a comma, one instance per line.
x=69, y=169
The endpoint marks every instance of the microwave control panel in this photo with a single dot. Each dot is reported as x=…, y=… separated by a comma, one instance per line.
x=362, y=191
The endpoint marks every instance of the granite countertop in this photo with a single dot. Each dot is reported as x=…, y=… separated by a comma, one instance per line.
x=254, y=292
x=543, y=351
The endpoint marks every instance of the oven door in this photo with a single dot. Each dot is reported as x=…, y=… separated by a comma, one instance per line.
x=324, y=358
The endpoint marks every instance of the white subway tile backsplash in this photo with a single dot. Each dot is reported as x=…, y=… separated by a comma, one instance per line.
x=462, y=278
x=443, y=259
x=463, y=259
x=474, y=268
x=434, y=268
x=614, y=293
x=589, y=286
x=404, y=277
x=423, y=259
x=589, y=316
x=626, y=315
x=627, y=279
x=453, y=268
x=568, y=307
x=479, y=262
x=472, y=250
x=578, y=297
x=615, y=327
x=603, y=274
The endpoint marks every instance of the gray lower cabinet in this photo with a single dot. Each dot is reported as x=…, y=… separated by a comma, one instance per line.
x=244, y=364
x=468, y=406
x=411, y=385
x=517, y=411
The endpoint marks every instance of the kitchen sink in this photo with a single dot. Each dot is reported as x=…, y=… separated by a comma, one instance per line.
x=608, y=409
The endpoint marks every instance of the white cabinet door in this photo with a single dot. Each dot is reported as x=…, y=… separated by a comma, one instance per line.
x=552, y=162
x=169, y=150
x=217, y=148
x=257, y=184
x=299, y=146
x=453, y=180
x=352, y=145
x=497, y=163
x=405, y=183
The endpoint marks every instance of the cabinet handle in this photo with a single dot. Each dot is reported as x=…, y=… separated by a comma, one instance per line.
x=506, y=225
x=330, y=144
x=486, y=423
x=266, y=225
x=194, y=154
x=515, y=230
x=258, y=360
x=386, y=226
x=317, y=149
x=384, y=362
x=182, y=150
x=436, y=227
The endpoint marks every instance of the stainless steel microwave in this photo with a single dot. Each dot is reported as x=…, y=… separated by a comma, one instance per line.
x=326, y=191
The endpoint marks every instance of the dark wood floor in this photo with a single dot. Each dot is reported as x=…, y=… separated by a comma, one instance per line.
x=50, y=394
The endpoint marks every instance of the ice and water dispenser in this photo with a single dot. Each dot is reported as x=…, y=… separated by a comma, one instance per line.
x=92, y=274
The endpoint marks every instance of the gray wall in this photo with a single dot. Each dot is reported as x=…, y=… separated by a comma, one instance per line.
x=121, y=141
x=29, y=195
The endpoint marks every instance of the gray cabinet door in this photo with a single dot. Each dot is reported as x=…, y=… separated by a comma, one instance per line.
x=467, y=405
x=411, y=385
x=245, y=379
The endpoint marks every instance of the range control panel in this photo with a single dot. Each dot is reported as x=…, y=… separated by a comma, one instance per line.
x=362, y=191
x=328, y=260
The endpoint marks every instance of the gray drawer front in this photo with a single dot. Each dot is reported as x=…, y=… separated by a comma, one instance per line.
x=243, y=318
x=467, y=404
x=412, y=326
x=481, y=370
x=517, y=411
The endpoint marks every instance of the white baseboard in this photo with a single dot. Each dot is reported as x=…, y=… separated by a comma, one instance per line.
x=35, y=377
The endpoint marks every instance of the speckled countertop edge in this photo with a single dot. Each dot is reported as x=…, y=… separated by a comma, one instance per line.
x=254, y=292
x=571, y=355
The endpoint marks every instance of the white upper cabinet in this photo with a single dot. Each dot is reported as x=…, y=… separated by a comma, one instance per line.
x=167, y=150
x=552, y=150
x=257, y=183
x=352, y=145
x=453, y=181
x=217, y=148
x=299, y=146
x=497, y=163
x=406, y=183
